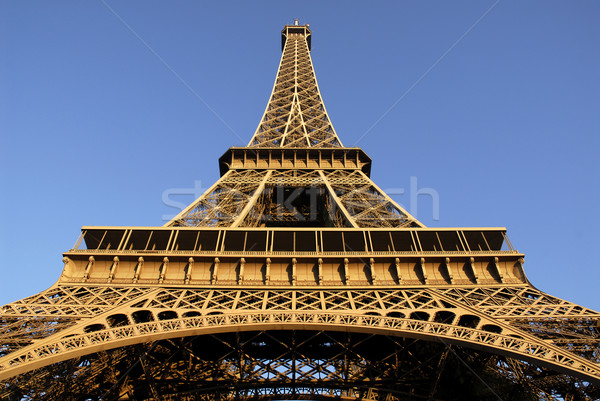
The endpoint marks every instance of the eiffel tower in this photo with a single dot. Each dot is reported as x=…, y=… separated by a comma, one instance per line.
x=296, y=277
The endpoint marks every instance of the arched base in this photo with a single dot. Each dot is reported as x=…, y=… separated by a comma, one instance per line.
x=95, y=337
x=281, y=365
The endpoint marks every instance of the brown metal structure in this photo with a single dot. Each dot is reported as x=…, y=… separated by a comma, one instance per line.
x=295, y=277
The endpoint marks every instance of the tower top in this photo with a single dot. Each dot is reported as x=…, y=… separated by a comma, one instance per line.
x=295, y=115
x=295, y=29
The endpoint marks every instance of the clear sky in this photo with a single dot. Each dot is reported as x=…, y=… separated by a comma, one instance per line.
x=495, y=109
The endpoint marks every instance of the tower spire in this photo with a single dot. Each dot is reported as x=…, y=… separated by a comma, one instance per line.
x=295, y=115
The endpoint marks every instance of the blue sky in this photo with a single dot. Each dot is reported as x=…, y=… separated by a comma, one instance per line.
x=98, y=122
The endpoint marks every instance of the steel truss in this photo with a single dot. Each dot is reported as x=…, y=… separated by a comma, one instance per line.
x=250, y=198
x=295, y=277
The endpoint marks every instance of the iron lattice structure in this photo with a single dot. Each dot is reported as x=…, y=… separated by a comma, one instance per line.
x=295, y=277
